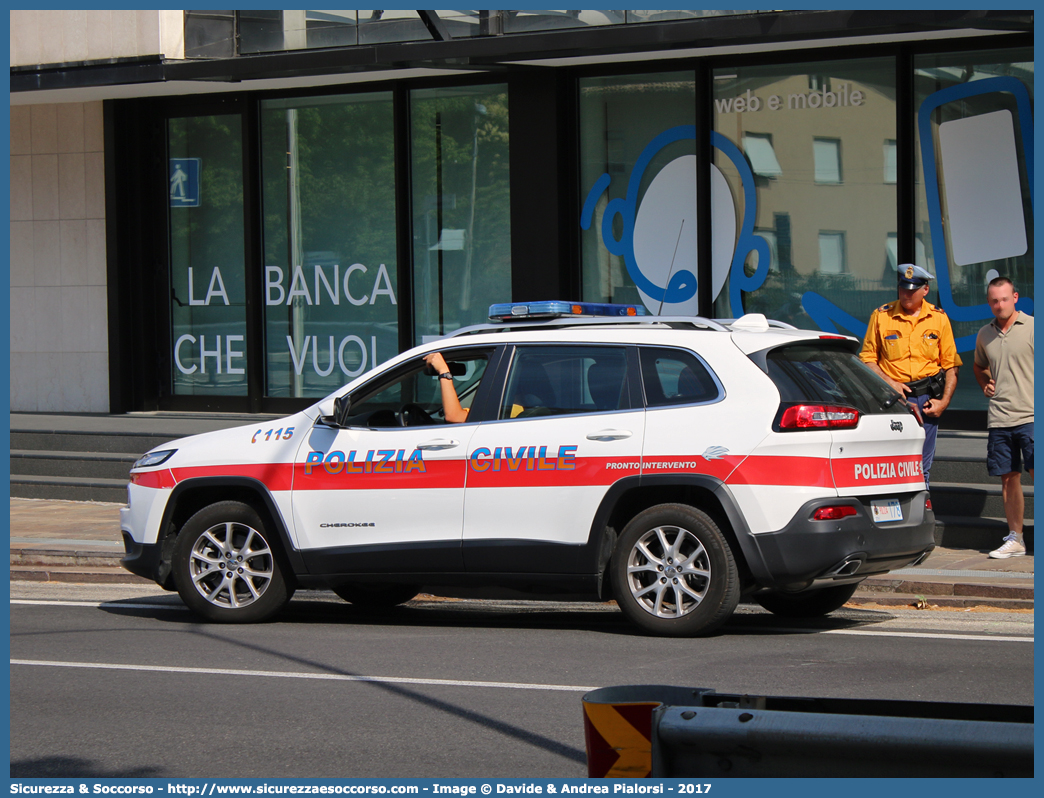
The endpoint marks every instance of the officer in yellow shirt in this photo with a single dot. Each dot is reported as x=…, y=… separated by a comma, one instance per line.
x=910, y=344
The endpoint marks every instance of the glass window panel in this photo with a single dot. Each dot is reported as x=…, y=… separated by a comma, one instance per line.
x=890, y=166
x=380, y=404
x=523, y=21
x=773, y=241
x=831, y=253
x=208, y=299
x=828, y=374
x=561, y=380
x=330, y=276
x=827, y=154
x=332, y=28
x=813, y=112
x=264, y=31
x=678, y=13
x=675, y=377
x=974, y=213
x=269, y=31
x=377, y=27
x=758, y=149
x=461, y=206
x=210, y=34
x=639, y=130
x=920, y=252
x=465, y=24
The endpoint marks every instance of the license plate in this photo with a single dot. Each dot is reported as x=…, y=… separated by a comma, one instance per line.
x=886, y=510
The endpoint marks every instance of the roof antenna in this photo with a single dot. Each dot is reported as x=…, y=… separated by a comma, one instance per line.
x=671, y=269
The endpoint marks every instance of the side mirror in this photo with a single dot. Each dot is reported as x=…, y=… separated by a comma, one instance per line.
x=340, y=411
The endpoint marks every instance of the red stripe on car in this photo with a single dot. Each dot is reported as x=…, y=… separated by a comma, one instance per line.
x=812, y=472
x=153, y=479
x=853, y=472
x=276, y=476
x=338, y=475
x=772, y=470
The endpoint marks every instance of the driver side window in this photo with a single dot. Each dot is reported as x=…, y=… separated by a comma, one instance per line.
x=411, y=397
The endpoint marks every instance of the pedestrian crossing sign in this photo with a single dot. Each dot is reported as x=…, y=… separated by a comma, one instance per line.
x=184, y=182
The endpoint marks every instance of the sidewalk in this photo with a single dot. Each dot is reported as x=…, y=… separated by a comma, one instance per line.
x=66, y=541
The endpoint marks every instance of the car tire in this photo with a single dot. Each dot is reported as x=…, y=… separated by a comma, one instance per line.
x=376, y=596
x=673, y=572
x=811, y=604
x=224, y=533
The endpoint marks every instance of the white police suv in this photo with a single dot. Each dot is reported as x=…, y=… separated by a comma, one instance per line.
x=674, y=464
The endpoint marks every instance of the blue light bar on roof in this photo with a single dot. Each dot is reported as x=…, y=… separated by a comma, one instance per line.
x=554, y=309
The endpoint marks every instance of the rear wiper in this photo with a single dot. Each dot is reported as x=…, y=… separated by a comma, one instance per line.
x=892, y=401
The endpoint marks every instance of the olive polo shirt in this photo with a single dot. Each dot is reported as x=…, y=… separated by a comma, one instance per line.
x=1009, y=358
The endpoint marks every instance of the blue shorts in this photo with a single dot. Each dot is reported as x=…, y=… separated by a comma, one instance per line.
x=1008, y=448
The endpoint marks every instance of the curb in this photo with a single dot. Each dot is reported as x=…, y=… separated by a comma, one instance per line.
x=925, y=602
x=76, y=575
x=978, y=589
x=66, y=557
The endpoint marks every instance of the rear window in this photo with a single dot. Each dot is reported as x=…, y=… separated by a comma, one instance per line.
x=828, y=374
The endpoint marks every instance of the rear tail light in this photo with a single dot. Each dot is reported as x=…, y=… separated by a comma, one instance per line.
x=916, y=412
x=818, y=417
x=928, y=503
x=834, y=512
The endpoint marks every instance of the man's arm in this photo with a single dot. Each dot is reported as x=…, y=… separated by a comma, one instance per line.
x=985, y=379
x=454, y=413
x=950, y=361
x=935, y=407
x=981, y=367
x=900, y=387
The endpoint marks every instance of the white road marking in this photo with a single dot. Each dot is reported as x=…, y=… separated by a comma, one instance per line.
x=111, y=605
x=337, y=677
x=922, y=635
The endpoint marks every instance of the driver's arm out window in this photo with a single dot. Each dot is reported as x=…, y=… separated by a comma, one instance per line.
x=413, y=396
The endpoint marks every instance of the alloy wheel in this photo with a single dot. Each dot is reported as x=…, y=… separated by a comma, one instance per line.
x=231, y=565
x=668, y=572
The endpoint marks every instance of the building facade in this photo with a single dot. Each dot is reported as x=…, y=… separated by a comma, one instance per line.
x=242, y=210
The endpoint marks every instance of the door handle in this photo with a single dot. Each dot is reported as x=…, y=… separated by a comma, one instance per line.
x=437, y=444
x=610, y=435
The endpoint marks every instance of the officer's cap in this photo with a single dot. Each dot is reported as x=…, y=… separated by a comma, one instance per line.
x=912, y=276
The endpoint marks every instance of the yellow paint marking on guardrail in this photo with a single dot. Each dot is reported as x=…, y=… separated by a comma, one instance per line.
x=619, y=740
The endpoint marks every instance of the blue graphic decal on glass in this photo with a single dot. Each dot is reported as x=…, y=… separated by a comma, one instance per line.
x=184, y=182
x=682, y=283
x=931, y=182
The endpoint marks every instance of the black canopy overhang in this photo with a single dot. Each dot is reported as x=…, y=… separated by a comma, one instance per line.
x=499, y=52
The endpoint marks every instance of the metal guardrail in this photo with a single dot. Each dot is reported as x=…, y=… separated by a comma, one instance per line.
x=660, y=731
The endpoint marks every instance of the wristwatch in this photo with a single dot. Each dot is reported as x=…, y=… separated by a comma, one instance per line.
x=445, y=376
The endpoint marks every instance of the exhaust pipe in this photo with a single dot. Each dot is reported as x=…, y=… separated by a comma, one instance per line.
x=919, y=560
x=846, y=568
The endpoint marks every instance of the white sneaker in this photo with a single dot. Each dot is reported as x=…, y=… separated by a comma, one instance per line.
x=1011, y=548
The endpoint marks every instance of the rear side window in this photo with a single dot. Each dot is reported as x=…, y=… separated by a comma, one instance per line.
x=565, y=380
x=676, y=377
x=827, y=374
